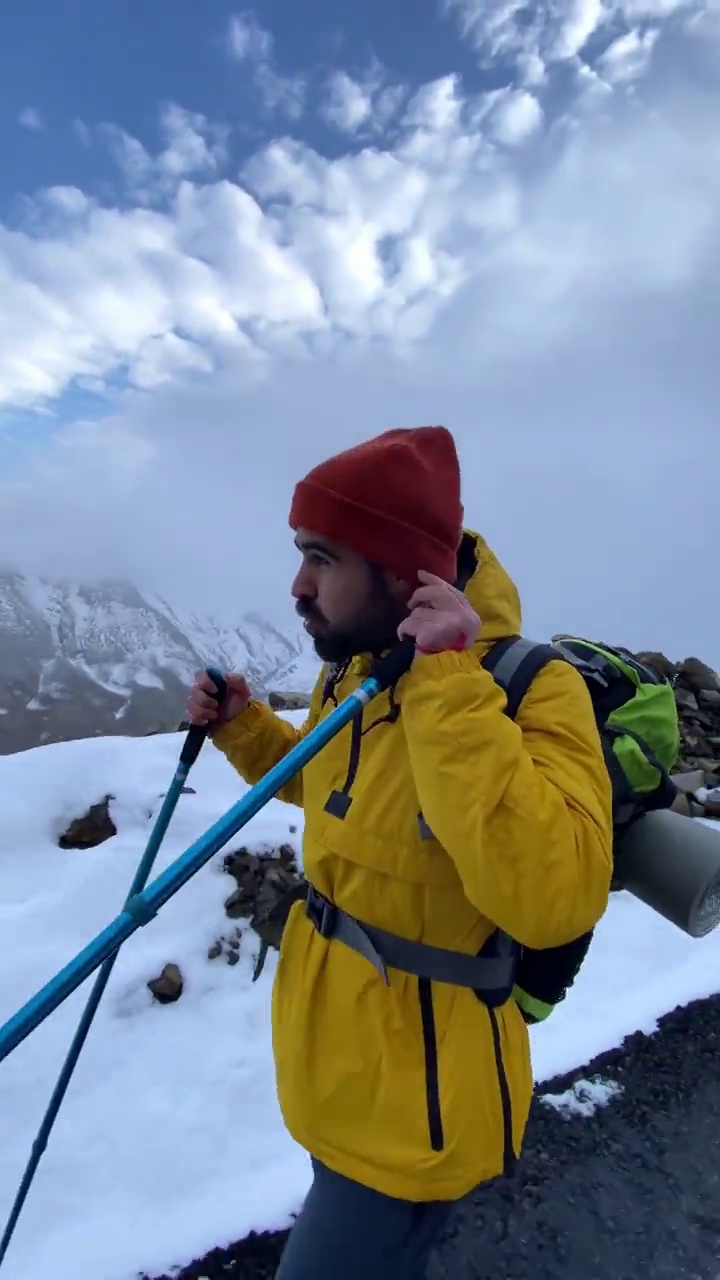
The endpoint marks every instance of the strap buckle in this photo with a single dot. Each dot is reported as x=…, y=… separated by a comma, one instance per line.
x=322, y=914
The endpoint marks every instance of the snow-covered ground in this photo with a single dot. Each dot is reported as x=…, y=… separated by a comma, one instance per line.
x=170, y=1139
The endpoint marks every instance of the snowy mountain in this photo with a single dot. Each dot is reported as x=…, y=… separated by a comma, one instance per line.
x=81, y=660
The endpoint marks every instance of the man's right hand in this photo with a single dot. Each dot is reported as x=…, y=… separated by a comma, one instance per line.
x=203, y=708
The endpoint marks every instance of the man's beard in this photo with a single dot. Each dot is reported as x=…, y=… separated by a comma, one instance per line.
x=373, y=631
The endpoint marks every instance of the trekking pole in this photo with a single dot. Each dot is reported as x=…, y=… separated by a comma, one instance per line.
x=141, y=907
x=191, y=748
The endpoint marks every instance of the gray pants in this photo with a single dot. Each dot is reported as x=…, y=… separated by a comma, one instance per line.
x=348, y=1232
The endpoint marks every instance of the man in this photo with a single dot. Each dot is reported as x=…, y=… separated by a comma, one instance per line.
x=433, y=817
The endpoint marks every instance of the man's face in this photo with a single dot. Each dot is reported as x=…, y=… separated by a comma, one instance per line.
x=348, y=605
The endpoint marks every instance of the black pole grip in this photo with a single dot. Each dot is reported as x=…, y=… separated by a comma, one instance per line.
x=388, y=669
x=197, y=733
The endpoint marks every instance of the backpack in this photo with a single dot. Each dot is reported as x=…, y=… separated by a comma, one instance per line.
x=637, y=717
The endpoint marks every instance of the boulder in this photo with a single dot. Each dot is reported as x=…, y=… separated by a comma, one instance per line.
x=168, y=987
x=267, y=886
x=659, y=663
x=288, y=701
x=93, y=828
x=695, y=675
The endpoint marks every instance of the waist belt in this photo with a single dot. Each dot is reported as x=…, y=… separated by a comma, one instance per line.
x=490, y=977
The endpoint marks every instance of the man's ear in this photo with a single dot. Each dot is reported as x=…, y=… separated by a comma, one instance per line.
x=399, y=589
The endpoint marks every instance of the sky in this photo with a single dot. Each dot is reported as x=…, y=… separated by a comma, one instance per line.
x=234, y=241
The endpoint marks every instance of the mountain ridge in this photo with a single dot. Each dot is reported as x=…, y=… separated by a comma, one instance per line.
x=84, y=659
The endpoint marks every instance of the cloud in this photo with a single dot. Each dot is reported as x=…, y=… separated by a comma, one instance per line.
x=555, y=303
x=349, y=103
x=31, y=118
x=516, y=117
x=251, y=44
x=627, y=58
x=193, y=147
x=361, y=105
x=248, y=40
x=546, y=34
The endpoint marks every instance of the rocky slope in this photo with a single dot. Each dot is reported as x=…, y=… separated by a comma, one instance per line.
x=78, y=661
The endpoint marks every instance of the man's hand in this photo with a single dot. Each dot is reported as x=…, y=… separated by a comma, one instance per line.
x=203, y=708
x=440, y=617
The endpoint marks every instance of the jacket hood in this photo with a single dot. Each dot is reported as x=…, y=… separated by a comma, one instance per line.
x=491, y=591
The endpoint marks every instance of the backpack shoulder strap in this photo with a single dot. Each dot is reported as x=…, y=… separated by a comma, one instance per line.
x=514, y=663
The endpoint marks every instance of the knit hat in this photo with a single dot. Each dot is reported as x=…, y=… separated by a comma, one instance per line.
x=395, y=500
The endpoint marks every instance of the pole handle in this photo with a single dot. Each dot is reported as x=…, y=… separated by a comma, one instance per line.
x=197, y=733
x=388, y=669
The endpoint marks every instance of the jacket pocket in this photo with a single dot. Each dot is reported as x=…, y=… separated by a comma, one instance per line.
x=505, y=1102
x=432, y=1081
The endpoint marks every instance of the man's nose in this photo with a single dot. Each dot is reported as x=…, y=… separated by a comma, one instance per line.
x=302, y=586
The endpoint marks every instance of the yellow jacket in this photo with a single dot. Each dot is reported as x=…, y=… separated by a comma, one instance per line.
x=419, y=1090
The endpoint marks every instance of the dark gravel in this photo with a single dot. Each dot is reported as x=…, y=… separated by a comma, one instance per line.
x=630, y=1193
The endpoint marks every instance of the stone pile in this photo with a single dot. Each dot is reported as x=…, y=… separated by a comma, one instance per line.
x=697, y=695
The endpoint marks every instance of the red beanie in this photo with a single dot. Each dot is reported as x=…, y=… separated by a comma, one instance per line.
x=395, y=500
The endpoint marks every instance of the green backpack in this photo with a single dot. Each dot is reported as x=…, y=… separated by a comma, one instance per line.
x=637, y=717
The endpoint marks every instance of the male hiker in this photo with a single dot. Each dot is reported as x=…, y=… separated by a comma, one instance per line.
x=435, y=818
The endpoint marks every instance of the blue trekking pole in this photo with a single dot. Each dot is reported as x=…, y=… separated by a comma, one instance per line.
x=141, y=907
x=188, y=755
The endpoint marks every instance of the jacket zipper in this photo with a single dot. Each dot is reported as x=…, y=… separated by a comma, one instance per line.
x=432, y=1081
x=508, y=1150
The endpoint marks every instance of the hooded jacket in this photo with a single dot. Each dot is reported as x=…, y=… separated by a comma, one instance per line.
x=417, y=1089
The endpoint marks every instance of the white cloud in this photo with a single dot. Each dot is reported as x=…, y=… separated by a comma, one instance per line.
x=31, y=118
x=545, y=33
x=556, y=305
x=368, y=103
x=248, y=40
x=516, y=117
x=349, y=103
x=627, y=58
x=193, y=147
x=249, y=43
x=581, y=21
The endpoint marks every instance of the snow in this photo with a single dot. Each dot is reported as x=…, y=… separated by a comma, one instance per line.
x=170, y=1140
x=584, y=1097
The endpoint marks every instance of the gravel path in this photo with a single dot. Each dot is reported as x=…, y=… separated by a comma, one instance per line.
x=629, y=1193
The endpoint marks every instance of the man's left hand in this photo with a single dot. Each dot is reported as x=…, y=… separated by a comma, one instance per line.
x=440, y=617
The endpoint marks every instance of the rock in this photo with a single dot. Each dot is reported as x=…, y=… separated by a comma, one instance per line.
x=698, y=677
x=168, y=987
x=659, y=663
x=216, y=950
x=688, y=806
x=286, y=854
x=239, y=905
x=690, y=780
x=92, y=829
x=710, y=698
x=267, y=886
x=686, y=699
x=707, y=764
x=271, y=925
x=693, y=740
x=681, y=766
x=289, y=701
x=682, y=804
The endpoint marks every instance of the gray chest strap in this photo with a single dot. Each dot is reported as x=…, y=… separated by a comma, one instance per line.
x=491, y=977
